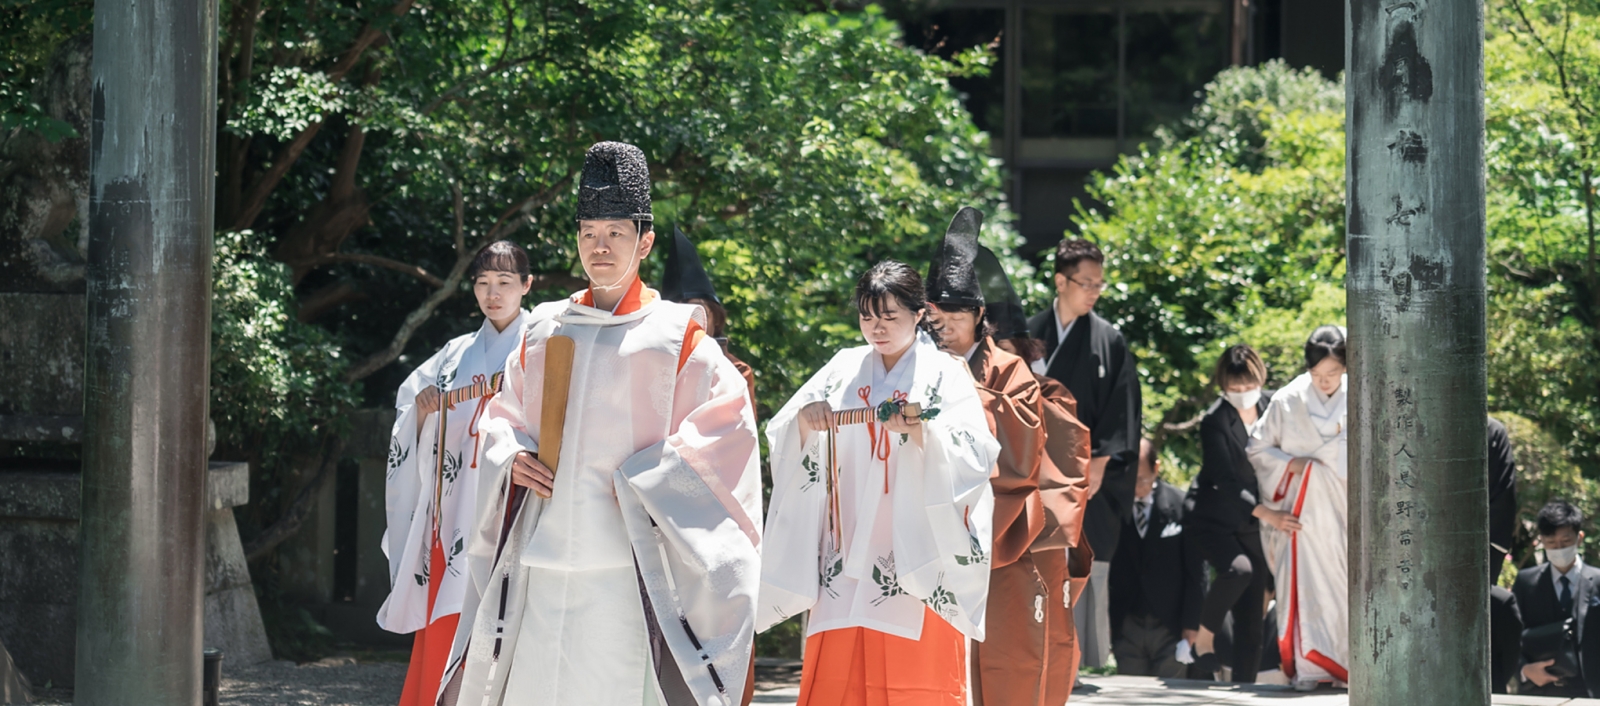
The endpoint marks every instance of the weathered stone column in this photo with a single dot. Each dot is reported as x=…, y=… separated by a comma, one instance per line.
x=1418, y=503
x=147, y=355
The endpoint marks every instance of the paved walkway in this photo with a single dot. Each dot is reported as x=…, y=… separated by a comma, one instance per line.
x=341, y=681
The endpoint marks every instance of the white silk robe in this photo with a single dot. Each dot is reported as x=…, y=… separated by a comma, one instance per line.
x=1309, y=565
x=414, y=469
x=636, y=582
x=915, y=525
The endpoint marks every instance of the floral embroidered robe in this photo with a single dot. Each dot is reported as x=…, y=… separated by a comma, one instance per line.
x=915, y=521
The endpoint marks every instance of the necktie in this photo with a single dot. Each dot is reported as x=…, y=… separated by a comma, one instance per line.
x=1141, y=519
x=1566, y=596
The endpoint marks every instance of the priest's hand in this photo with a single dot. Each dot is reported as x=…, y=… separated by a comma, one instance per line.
x=815, y=417
x=1535, y=673
x=1280, y=520
x=902, y=424
x=529, y=473
x=427, y=401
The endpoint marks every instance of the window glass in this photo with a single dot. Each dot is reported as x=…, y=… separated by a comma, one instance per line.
x=1069, y=73
x=949, y=32
x=1171, y=56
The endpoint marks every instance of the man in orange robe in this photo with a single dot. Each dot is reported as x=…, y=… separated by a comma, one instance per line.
x=1030, y=655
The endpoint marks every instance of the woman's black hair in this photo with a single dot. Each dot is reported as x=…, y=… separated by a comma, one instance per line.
x=1325, y=341
x=500, y=256
x=894, y=279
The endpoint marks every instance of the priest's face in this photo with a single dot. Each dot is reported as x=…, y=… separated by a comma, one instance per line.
x=958, y=330
x=1328, y=375
x=611, y=251
x=889, y=327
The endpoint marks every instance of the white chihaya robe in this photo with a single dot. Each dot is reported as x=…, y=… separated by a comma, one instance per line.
x=414, y=468
x=1309, y=565
x=636, y=582
x=925, y=541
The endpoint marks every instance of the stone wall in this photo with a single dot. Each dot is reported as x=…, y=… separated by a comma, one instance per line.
x=39, y=513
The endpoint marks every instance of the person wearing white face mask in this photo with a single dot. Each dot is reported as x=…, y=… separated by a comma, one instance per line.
x=1554, y=592
x=1226, y=520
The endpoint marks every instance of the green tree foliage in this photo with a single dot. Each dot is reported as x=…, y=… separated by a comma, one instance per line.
x=1230, y=229
x=1234, y=217
x=1542, y=78
x=30, y=32
x=277, y=384
x=795, y=147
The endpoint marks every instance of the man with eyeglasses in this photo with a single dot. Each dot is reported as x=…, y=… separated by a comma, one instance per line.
x=1090, y=357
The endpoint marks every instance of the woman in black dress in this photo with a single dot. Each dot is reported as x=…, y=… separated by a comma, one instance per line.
x=1226, y=520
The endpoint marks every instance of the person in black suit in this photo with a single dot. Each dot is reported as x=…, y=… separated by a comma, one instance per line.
x=1090, y=357
x=1505, y=638
x=1225, y=525
x=1562, y=587
x=1505, y=619
x=1156, y=582
x=1502, y=496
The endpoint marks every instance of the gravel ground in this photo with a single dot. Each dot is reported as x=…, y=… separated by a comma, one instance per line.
x=344, y=681
x=335, y=681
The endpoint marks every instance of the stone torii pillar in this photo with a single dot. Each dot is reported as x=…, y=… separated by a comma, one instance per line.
x=147, y=356
x=1415, y=217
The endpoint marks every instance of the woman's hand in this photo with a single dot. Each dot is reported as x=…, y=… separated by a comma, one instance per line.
x=1299, y=465
x=529, y=473
x=815, y=417
x=1280, y=520
x=899, y=423
x=427, y=401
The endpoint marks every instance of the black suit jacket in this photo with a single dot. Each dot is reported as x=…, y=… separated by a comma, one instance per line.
x=1505, y=638
x=1156, y=573
x=1095, y=364
x=1502, y=491
x=1536, y=598
x=1226, y=489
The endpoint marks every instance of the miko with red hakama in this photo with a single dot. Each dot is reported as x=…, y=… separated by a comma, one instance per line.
x=885, y=541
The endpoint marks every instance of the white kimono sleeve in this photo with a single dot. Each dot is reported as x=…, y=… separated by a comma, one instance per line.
x=1266, y=452
x=695, y=498
x=789, y=578
x=944, y=509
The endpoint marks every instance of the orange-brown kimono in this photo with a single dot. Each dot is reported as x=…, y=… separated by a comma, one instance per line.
x=1030, y=655
x=1064, y=491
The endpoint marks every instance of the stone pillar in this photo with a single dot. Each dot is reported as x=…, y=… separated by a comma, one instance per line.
x=147, y=359
x=1418, y=502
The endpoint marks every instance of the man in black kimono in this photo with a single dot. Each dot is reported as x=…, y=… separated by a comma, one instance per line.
x=1089, y=356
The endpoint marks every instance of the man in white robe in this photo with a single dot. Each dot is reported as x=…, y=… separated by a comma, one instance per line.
x=1301, y=460
x=635, y=581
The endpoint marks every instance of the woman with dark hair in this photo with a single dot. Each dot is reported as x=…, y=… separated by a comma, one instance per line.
x=879, y=523
x=433, y=472
x=1301, y=460
x=1226, y=520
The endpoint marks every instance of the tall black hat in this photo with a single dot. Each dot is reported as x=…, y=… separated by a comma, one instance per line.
x=684, y=277
x=615, y=184
x=953, y=278
x=1004, y=311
